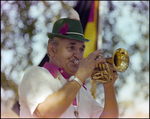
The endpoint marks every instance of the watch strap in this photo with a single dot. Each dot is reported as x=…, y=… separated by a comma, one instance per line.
x=77, y=80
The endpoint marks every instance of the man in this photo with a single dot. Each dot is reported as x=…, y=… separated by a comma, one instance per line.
x=56, y=90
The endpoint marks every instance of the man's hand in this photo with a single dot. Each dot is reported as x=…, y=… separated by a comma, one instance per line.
x=87, y=65
x=114, y=75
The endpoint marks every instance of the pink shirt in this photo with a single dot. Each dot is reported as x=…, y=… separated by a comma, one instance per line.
x=53, y=70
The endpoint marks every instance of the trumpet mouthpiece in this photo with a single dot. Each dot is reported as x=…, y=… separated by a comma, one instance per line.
x=76, y=62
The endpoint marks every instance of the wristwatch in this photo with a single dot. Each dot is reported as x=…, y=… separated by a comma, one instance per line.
x=75, y=79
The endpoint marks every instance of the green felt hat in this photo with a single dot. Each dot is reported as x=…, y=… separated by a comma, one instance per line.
x=68, y=28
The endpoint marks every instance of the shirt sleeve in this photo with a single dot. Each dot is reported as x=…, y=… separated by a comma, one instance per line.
x=36, y=85
x=97, y=109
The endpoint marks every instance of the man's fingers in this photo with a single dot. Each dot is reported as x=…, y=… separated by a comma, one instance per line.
x=94, y=54
x=108, y=56
x=100, y=60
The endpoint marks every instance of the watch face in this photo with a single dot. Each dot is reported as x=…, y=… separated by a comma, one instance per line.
x=71, y=78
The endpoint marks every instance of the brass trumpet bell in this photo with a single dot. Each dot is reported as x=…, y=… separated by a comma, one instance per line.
x=120, y=61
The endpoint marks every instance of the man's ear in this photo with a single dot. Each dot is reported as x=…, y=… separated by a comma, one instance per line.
x=51, y=50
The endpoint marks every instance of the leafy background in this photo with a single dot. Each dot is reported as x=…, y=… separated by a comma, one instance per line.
x=125, y=24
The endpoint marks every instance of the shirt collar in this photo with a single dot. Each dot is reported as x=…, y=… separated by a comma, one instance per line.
x=53, y=70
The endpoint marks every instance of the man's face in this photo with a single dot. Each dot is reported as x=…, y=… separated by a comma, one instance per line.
x=67, y=51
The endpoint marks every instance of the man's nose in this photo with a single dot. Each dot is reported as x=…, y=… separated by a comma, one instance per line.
x=78, y=54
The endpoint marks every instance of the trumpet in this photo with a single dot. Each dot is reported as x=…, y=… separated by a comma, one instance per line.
x=102, y=72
